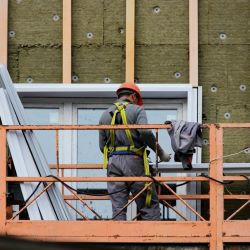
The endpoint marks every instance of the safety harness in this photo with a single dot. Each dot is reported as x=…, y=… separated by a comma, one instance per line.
x=110, y=147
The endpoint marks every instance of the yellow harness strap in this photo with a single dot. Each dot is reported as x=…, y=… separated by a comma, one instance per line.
x=139, y=151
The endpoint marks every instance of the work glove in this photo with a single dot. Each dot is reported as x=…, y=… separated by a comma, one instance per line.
x=164, y=156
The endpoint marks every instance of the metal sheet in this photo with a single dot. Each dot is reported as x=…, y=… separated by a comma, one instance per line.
x=57, y=201
x=20, y=155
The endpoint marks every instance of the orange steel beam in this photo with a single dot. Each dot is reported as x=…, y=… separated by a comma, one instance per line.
x=193, y=42
x=216, y=190
x=3, y=172
x=130, y=41
x=236, y=231
x=234, y=178
x=165, y=197
x=103, y=127
x=77, y=166
x=237, y=197
x=85, y=127
x=105, y=179
x=57, y=153
x=111, y=231
x=67, y=51
x=3, y=32
x=100, y=166
x=161, y=197
x=126, y=231
x=234, y=125
x=62, y=173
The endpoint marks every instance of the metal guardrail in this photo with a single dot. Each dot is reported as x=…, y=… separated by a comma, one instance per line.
x=216, y=231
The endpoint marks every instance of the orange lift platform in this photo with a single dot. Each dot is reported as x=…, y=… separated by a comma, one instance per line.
x=215, y=231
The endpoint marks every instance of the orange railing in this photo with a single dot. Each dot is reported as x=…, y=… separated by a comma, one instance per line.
x=215, y=231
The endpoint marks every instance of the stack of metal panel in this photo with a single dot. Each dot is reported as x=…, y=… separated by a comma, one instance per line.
x=28, y=156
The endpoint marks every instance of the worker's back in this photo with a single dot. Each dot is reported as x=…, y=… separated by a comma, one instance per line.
x=135, y=115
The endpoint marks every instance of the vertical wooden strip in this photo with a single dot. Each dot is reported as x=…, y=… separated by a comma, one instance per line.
x=130, y=40
x=67, y=41
x=3, y=32
x=3, y=172
x=193, y=42
x=216, y=189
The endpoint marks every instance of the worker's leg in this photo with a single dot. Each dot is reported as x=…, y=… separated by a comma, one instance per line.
x=135, y=167
x=120, y=199
x=151, y=212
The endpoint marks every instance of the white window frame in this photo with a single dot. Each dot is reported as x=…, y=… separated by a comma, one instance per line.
x=82, y=93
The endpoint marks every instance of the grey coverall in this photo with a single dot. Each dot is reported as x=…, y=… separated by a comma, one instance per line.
x=129, y=165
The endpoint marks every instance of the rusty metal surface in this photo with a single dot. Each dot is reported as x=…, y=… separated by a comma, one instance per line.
x=111, y=231
x=216, y=190
x=3, y=173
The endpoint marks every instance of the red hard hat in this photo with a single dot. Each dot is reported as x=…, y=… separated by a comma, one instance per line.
x=133, y=87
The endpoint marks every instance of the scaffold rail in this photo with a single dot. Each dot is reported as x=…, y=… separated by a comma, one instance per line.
x=216, y=230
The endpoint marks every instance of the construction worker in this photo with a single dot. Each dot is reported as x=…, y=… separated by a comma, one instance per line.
x=125, y=153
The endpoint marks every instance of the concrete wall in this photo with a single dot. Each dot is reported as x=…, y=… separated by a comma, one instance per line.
x=35, y=51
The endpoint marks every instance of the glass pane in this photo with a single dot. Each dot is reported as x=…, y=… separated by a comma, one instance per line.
x=88, y=152
x=47, y=139
x=159, y=117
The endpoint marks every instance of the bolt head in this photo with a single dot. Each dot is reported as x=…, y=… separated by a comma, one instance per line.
x=89, y=35
x=227, y=115
x=156, y=9
x=75, y=78
x=223, y=36
x=177, y=74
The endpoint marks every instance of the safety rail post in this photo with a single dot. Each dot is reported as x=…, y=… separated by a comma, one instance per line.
x=3, y=173
x=216, y=204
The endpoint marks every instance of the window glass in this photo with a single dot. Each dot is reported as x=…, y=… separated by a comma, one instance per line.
x=88, y=152
x=47, y=139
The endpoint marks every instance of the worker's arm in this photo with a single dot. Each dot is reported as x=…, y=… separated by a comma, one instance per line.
x=146, y=135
